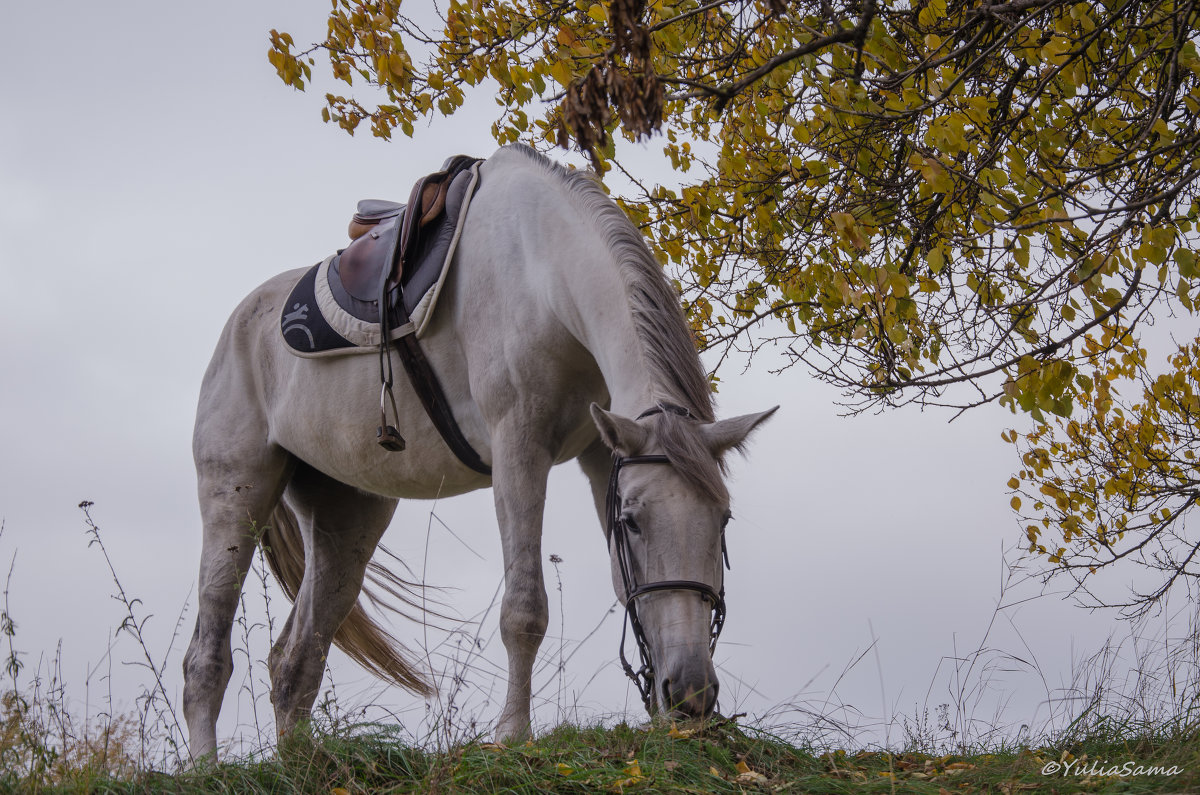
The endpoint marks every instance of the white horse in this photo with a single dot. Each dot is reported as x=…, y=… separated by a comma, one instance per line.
x=553, y=307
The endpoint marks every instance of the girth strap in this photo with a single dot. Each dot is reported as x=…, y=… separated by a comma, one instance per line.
x=429, y=390
x=425, y=383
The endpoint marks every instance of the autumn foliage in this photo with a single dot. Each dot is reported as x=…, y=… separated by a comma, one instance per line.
x=944, y=202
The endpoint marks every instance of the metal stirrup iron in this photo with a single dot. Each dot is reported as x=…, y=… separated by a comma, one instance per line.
x=389, y=437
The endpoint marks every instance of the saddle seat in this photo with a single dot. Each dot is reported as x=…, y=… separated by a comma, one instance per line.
x=386, y=236
x=370, y=213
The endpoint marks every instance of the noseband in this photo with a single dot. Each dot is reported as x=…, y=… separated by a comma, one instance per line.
x=618, y=533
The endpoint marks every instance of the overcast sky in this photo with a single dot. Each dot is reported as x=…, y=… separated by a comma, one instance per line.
x=153, y=170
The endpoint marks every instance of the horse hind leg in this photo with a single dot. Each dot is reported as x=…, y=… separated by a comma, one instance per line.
x=235, y=501
x=340, y=527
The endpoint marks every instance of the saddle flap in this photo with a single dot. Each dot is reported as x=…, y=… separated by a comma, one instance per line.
x=433, y=201
x=364, y=265
x=428, y=203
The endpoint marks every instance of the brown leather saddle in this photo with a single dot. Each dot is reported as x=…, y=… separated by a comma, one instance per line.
x=386, y=235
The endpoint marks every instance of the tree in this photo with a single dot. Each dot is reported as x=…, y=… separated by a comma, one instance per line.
x=1118, y=481
x=949, y=202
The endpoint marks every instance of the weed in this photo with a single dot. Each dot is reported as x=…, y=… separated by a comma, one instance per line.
x=158, y=719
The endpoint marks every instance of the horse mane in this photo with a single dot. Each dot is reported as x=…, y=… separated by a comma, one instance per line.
x=666, y=342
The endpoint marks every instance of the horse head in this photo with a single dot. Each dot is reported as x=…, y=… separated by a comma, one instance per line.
x=667, y=509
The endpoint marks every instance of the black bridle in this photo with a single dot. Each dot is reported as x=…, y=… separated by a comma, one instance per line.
x=617, y=530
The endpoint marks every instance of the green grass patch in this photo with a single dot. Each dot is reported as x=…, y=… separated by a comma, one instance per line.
x=719, y=758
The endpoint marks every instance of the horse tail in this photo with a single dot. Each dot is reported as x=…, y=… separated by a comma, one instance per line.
x=360, y=636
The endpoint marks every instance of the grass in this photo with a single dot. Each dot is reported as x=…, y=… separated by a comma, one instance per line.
x=719, y=758
x=1129, y=732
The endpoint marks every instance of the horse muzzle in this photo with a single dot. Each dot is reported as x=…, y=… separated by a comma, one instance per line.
x=689, y=690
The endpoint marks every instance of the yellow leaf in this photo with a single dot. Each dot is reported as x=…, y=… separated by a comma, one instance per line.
x=399, y=63
x=1015, y=502
x=715, y=772
x=937, y=177
x=1013, y=483
x=561, y=72
x=748, y=776
x=936, y=260
x=676, y=733
x=634, y=772
x=339, y=791
x=848, y=225
x=565, y=770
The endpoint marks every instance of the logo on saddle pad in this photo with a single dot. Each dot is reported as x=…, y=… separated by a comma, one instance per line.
x=294, y=321
x=326, y=316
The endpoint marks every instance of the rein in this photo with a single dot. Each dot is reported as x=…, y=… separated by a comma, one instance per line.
x=617, y=530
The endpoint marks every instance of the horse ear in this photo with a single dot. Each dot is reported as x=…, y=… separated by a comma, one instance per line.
x=734, y=432
x=622, y=435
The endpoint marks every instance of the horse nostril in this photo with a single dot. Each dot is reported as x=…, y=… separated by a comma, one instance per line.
x=668, y=701
x=693, y=703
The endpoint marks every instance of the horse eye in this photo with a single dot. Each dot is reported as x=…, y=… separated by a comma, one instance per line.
x=725, y=519
x=630, y=523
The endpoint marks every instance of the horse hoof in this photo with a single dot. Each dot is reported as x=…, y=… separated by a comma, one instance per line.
x=513, y=731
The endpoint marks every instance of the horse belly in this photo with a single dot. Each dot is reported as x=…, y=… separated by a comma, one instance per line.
x=327, y=414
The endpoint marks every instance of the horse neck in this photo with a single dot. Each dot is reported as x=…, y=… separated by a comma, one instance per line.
x=616, y=347
x=589, y=264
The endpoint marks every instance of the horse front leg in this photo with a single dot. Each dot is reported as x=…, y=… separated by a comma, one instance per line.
x=520, y=472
